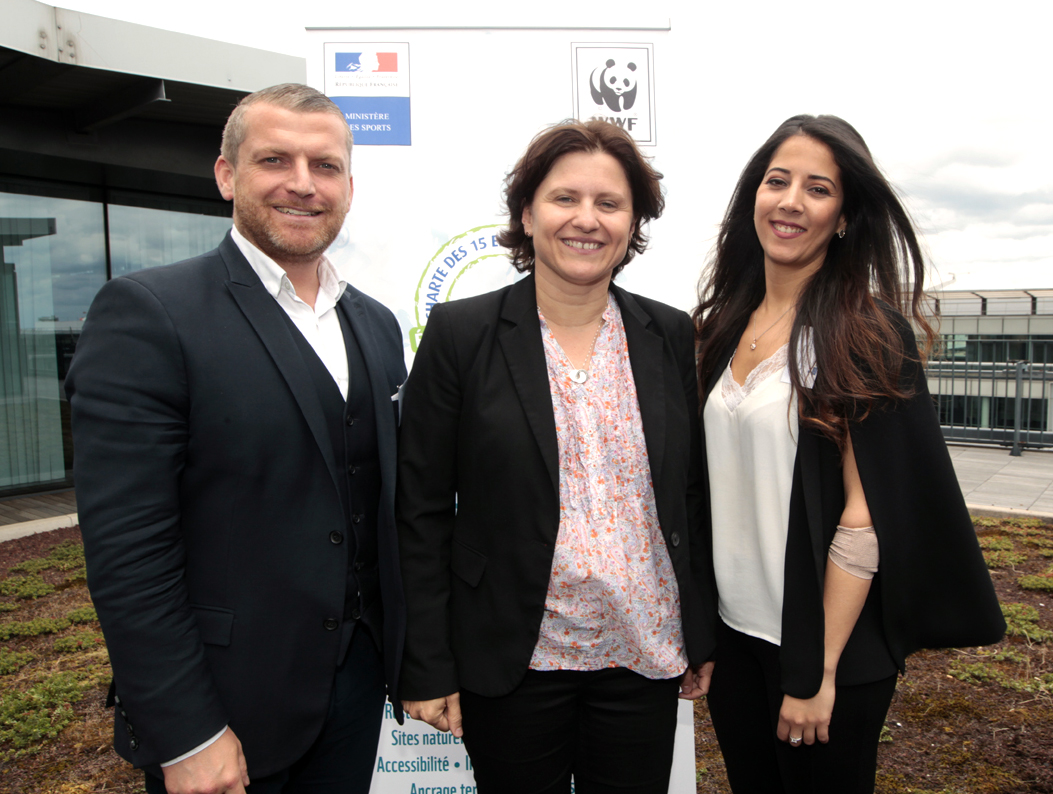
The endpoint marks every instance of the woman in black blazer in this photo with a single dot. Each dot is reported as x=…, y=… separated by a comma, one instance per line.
x=841, y=540
x=550, y=493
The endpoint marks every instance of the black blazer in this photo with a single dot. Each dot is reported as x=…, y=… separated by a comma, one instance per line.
x=207, y=489
x=932, y=588
x=478, y=493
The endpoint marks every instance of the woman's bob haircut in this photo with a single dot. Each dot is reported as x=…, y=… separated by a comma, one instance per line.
x=569, y=137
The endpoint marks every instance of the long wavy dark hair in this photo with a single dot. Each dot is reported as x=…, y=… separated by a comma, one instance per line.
x=858, y=349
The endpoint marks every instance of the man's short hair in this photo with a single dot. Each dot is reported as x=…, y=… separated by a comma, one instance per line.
x=290, y=96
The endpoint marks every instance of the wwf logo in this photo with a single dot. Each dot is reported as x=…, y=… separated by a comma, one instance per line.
x=613, y=85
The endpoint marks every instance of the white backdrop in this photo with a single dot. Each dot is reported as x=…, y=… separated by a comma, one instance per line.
x=427, y=207
x=476, y=99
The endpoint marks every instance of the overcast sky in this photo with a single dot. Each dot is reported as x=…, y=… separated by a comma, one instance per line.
x=952, y=98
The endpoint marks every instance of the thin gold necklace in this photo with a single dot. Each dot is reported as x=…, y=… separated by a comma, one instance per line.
x=756, y=336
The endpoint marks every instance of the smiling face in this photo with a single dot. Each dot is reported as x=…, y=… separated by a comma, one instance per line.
x=291, y=185
x=581, y=219
x=798, y=206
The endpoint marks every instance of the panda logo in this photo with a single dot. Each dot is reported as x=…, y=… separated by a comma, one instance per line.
x=614, y=85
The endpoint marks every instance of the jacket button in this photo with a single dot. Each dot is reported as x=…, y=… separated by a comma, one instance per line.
x=350, y=421
x=356, y=519
x=336, y=538
x=359, y=566
x=352, y=470
x=331, y=624
x=355, y=613
x=134, y=743
x=675, y=539
x=128, y=727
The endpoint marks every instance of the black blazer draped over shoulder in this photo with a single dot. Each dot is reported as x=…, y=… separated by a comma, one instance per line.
x=478, y=491
x=932, y=588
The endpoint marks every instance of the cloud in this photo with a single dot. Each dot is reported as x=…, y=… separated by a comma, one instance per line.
x=989, y=194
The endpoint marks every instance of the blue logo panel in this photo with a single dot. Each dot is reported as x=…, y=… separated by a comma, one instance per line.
x=348, y=61
x=377, y=121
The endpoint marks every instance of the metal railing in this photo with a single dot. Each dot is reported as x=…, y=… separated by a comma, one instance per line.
x=1001, y=403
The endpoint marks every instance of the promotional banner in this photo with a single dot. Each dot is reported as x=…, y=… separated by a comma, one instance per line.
x=414, y=758
x=440, y=116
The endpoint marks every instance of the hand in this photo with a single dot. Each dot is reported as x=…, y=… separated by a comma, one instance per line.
x=217, y=769
x=442, y=713
x=695, y=682
x=808, y=719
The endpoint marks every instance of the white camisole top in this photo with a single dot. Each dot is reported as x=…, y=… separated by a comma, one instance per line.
x=751, y=446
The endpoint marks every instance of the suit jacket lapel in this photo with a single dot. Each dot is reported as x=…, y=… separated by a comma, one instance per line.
x=520, y=339
x=354, y=310
x=262, y=312
x=645, y=357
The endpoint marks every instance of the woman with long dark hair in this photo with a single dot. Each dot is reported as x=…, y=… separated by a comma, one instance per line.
x=841, y=542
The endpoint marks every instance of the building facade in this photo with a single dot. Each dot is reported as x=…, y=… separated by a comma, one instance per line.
x=108, y=136
x=993, y=370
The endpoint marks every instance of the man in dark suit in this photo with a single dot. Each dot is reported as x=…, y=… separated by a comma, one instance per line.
x=235, y=427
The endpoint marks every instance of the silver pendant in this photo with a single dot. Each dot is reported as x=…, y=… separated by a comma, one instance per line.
x=579, y=375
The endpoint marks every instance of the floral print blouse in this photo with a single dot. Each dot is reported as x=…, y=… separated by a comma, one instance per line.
x=612, y=596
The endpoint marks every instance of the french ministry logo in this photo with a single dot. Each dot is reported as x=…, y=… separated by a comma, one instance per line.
x=367, y=62
x=370, y=83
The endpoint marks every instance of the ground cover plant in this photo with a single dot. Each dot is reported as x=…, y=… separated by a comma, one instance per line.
x=55, y=732
x=968, y=721
x=972, y=720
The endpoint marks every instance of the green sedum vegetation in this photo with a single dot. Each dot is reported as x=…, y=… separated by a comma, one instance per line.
x=32, y=628
x=12, y=661
x=1022, y=621
x=29, y=586
x=27, y=719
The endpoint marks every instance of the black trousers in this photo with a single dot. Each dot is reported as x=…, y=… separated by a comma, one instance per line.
x=612, y=730
x=341, y=759
x=744, y=700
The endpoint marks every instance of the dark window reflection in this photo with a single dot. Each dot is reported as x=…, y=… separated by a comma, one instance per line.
x=54, y=261
x=160, y=232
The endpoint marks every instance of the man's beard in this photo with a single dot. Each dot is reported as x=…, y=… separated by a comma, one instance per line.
x=276, y=243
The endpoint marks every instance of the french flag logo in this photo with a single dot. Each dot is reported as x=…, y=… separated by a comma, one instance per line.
x=367, y=62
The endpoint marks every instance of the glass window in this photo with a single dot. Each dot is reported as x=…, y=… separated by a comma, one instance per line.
x=53, y=263
x=147, y=232
x=53, y=240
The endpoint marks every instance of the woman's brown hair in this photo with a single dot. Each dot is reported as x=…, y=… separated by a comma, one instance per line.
x=569, y=137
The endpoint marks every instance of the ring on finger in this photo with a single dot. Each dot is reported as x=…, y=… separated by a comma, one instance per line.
x=795, y=740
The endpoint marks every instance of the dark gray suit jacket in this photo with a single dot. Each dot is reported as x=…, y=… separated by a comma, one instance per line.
x=478, y=428
x=207, y=488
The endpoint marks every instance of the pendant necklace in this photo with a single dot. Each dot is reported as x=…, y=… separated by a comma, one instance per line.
x=579, y=376
x=756, y=336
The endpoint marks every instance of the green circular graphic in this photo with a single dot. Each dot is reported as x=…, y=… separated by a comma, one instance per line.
x=456, y=257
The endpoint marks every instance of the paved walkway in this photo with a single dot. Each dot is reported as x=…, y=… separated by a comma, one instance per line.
x=36, y=506
x=993, y=482
x=28, y=515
